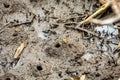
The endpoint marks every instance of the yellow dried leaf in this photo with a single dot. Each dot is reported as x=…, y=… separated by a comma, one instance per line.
x=19, y=50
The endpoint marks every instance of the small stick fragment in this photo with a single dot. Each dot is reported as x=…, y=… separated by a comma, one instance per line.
x=71, y=23
x=99, y=11
x=90, y=32
x=116, y=9
x=19, y=50
x=85, y=30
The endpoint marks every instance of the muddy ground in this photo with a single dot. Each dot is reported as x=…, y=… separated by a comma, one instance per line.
x=54, y=51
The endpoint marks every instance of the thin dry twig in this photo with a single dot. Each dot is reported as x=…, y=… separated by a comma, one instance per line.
x=99, y=11
x=90, y=32
x=116, y=9
x=85, y=30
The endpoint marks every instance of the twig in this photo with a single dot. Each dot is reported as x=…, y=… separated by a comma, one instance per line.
x=99, y=11
x=116, y=9
x=90, y=32
x=85, y=30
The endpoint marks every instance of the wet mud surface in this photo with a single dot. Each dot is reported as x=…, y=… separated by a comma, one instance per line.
x=55, y=51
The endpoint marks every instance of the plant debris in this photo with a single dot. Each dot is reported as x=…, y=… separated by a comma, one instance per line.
x=20, y=49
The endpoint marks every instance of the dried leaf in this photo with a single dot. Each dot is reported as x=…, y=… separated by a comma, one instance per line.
x=19, y=50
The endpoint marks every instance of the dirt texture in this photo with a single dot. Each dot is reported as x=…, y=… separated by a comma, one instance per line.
x=54, y=51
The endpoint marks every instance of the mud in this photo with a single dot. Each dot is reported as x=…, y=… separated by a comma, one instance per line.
x=54, y=51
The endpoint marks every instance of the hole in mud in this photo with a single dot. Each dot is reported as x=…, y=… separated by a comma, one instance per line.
x=60, y=74
x=7, y=79
x=39, y=68
x=57, y=45
x=97, y=75
x=6, y=5
x=70, y=45
x=33, y=0
x=15, y=34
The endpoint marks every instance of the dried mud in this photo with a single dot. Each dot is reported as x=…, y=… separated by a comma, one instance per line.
x=54, y=51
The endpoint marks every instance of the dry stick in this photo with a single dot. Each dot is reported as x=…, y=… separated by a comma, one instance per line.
x=100, y=10
x=115, y=6
x=90, y=32
x=85, y=30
